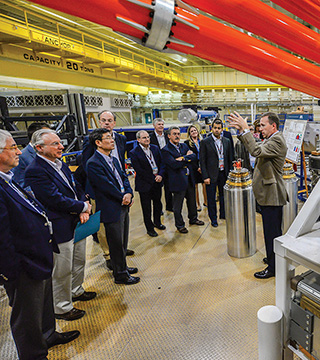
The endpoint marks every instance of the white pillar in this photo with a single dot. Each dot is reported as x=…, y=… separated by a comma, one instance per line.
x=270, y=333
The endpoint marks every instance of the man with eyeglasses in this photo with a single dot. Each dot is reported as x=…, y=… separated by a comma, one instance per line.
x=54, y=186
x=26, y=262
x=107, y=120
x=147, y=163
x=114, y=197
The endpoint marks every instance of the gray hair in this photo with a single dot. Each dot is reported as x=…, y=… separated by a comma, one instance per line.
x=173, y=128
x=138, y=134
x=157, y=120
x=37, y=137
x=4, y=136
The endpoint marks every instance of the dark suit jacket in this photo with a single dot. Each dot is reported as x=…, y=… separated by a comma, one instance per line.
x=144, y=179
x=209, y=158
x=56, y=196
x=25, y=243
x=88, y=150
x=228, y=135
x=26, y=158
x=195, y=164
x=106, y=188
x=154, y=139
x=177, y=170
x=268, y=184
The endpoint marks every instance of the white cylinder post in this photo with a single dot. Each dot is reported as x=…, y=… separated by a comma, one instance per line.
x=270, y=333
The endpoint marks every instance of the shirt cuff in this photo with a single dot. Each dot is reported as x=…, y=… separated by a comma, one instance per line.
x=245, y=132
x=85, y=208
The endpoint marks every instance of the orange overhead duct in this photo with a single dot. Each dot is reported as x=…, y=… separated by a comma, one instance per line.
x=197, y=35
x=263, y=20
x=305, y=9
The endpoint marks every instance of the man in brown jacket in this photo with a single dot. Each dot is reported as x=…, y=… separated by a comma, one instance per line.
x=268, y=185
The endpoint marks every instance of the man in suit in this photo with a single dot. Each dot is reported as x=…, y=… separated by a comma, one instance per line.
x=107, y=120
x=113, y=195
x=215, y=162
x=159, y=138
x=52, y=182
x=177, y=159
x=26, y=262
x=268, y=185
x=28, y=153
x=147, y=163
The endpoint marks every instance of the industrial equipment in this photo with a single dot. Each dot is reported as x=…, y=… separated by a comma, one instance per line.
x=290, y=210
x=305, y=313
x=314, y=164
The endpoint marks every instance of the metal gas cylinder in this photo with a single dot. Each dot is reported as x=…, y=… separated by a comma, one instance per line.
x=290, y=210
x=240, y=208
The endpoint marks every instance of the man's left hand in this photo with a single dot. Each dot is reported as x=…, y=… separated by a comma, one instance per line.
x=126, y=200
x=158, y=178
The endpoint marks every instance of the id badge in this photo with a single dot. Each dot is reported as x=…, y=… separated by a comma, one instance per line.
x=221, y=164
x=155, y=170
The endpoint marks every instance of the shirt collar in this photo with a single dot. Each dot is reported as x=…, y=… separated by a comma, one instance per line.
x=108, y=158
x=214, y=138
x=57, y=164
x=145, y=149
x=158, y=134
x=6, y=176
x=272, y=135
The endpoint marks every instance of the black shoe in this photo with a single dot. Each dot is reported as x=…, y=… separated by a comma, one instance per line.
x=169, y=209
x=205, y=205
x=214, y=224
x=183, y=230
x=152, y=233
x=62, y=338
x=265, y=261
x=86, y=296
x=129, y=252
x=162, y=213
x=73, y=314
x=160, y=227
x=131, y=280
x=132, y=270
x=197, y=222
x=264, y=274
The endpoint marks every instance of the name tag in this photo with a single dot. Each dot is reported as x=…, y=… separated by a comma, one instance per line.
x=155, y=170
x=221, y=163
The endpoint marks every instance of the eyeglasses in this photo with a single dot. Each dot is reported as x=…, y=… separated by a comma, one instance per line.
x=54, y=144
x=107, y=138
x=12, y=147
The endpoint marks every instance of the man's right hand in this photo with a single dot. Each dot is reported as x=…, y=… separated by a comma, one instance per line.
x=84, y=217
x=207, y=181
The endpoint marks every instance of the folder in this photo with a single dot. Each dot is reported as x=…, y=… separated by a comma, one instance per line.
x=88, y=228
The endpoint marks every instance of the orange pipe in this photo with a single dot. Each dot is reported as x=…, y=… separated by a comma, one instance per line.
x=305, y=9
x=213, y=41
x=263, y=20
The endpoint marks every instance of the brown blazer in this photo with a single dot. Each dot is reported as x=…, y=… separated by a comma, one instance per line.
x=268, y=185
